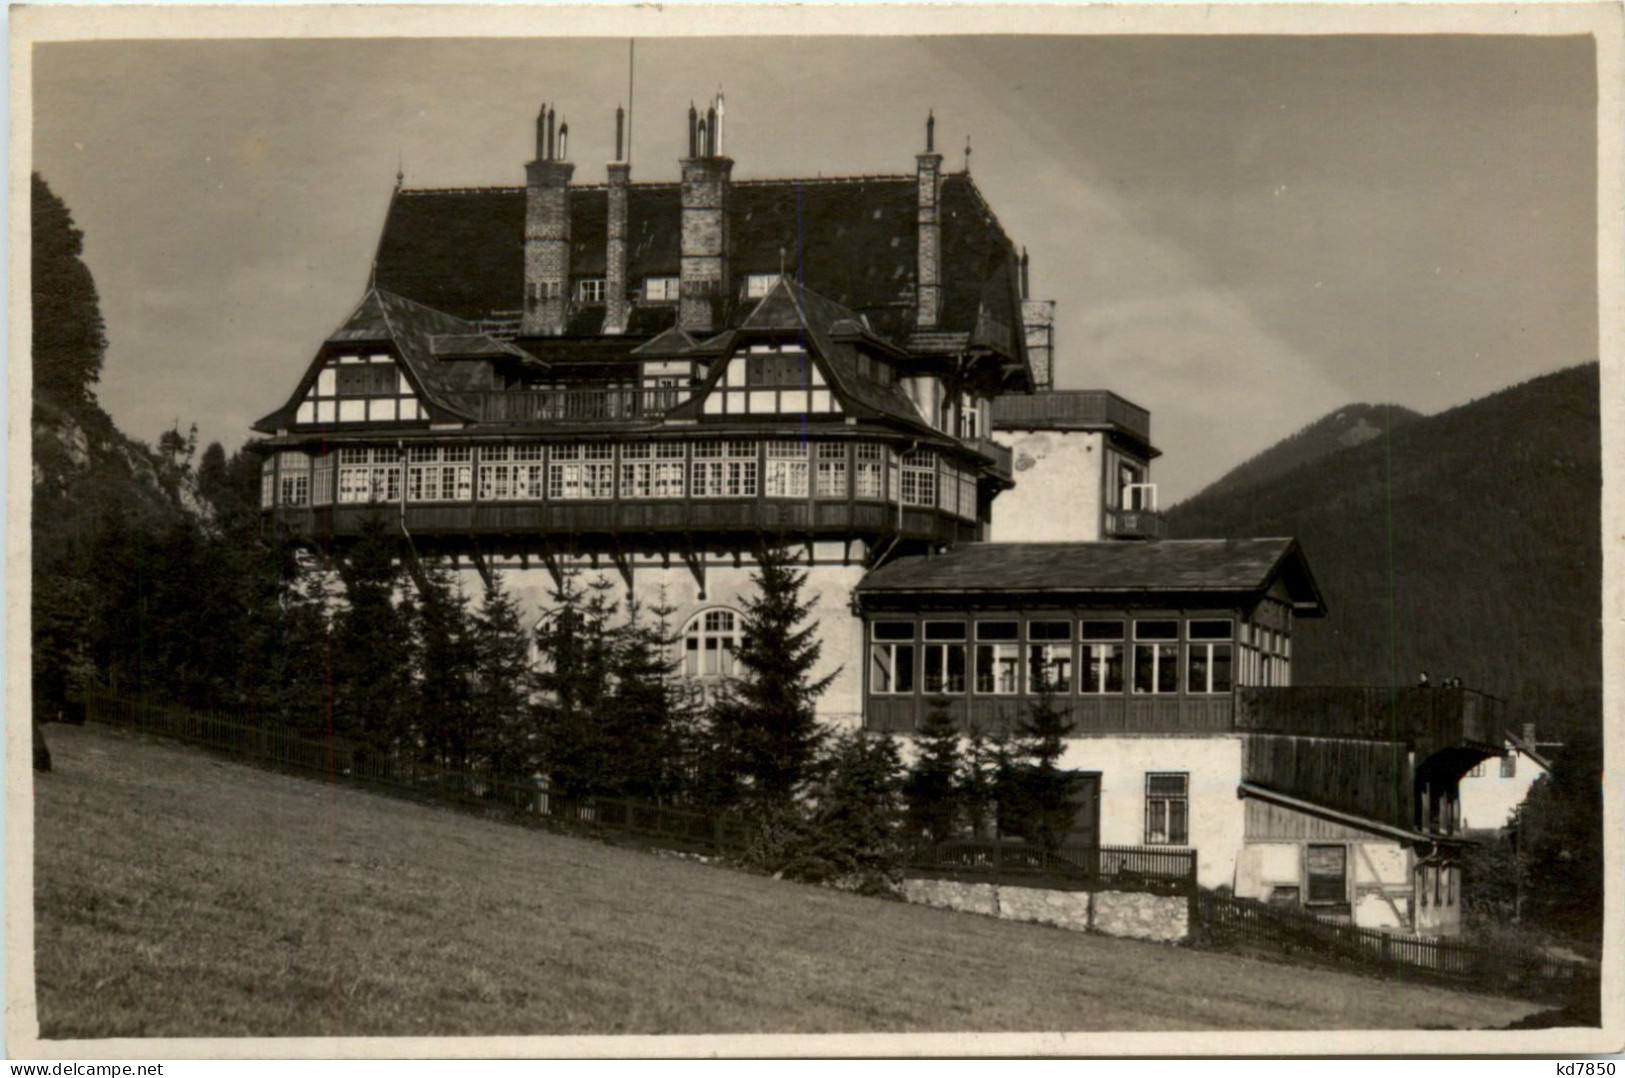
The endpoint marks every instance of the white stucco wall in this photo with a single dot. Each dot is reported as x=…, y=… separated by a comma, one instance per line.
x=1057, y=497
x=1214, y=766
x=1488, y=800
x=839, y=631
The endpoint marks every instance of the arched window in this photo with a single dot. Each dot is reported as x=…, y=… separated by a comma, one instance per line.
x=710, y=643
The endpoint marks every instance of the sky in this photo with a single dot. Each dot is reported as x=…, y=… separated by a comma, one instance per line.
x=1241, y=233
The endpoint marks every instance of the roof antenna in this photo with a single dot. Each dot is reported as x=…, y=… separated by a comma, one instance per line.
x=967, y=153
x=400, y=169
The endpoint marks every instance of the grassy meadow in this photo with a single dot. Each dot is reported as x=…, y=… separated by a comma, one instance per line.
x=178, y=894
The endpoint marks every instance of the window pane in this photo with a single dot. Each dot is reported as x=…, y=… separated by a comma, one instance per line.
x=1327, y=868
x=1213, y=629
x=1144, y=668
x=956, y=668
x=1156, y=630
x=880, y=672
x=1168, y=668
x=944, y=630
x=1102, y=630
x=903, y=667
x=998, y=630
x=894, y=630
x=1223, y=680
x=1197, y=678
x=1049, y=630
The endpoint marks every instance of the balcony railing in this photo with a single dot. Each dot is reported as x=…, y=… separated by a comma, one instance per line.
x=572, y=405
x=1003, y=459
x=1134, y=524
x=1064, y=408
x=1429, y=718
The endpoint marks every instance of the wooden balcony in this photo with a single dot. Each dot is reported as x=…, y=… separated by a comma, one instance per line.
x=1428, y=719
x=595, y=405
x=651, y=524
x=1134, y=524
x=1003, y=458
x=1071, y=409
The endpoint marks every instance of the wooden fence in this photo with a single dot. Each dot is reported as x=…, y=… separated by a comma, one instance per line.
x=1122, y=868
x=1228, y=920
x=526, y=799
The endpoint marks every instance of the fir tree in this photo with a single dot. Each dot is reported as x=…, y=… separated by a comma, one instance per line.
x=505, y=737
x=854, y=817
x=1038, y=800
x=977, y=781
x=931, y=789
x=648, y=719
x=371, y=642
x=765, y=730
x=444, y=656
x=576, y=647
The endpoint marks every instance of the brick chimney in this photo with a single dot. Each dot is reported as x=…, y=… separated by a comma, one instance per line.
x=618, y=307
x=547, y=231
x=703, y=280
x=928, y=309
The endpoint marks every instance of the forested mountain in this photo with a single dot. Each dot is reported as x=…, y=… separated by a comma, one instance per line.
x=1343, y=429
x=108, y=511
x=1466, y=544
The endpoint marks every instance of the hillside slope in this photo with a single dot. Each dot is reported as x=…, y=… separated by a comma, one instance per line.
x=1465, y=544
x=267, y=905
x=1350, y=426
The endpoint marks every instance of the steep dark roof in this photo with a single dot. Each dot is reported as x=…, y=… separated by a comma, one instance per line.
x=851, y=240
x=420, y=336
x=1233, y=566
x=791, y=306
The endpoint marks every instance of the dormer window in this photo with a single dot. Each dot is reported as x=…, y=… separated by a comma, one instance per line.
x=590, y=290
x=660, y=289
x=758, y=285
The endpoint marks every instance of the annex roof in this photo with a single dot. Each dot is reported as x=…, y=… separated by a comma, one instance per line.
x=1229, y=566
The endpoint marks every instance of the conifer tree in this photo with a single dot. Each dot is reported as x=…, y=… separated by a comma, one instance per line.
x=648, y=719
x=1037, y=799
x=371, y=641
x=505, y=737
x=764, y=728
x=443, y=717
x=576, y=647
x=852, y=824
x=931, y=789
x=977, y=781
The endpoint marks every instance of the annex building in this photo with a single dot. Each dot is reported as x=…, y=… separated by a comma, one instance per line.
x=648, y=380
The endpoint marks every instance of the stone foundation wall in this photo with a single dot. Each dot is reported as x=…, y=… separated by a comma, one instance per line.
x=1165, y=918
x=1129, y=914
